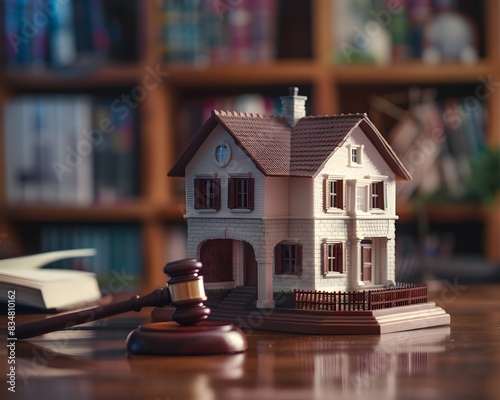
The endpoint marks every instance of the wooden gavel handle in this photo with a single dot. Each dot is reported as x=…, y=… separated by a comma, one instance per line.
x=157, y=298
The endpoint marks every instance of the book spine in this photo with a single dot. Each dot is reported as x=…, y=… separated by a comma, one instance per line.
x=85, y=149
x=125, y=158
x=66, y=159
x=399, y=32
x=29, y=175
x=62, y=34
x=263, y=30
x=240, y=22
x=420, y=13
x=13, y=149
x=12, y=34
x=100, y=38
x=104, y=156
x=39, y=41
x=47, y=134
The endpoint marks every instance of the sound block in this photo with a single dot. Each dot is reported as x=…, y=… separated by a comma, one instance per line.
x=172, y=339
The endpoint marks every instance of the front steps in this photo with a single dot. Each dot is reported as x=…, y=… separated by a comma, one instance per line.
x=235, y=303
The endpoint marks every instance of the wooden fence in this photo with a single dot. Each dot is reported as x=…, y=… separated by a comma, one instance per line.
x=400, y=295
x=397, y=296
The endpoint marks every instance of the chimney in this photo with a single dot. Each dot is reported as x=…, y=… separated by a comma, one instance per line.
x=293, y=107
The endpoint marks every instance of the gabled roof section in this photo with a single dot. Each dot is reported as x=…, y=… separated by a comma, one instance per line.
x=315, y=139
x=263, y=138
x=279, y=150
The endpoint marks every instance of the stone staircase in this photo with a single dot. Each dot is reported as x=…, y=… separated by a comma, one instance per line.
x=235, y=303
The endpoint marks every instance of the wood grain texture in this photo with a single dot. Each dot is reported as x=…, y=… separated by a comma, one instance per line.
x=460, y=361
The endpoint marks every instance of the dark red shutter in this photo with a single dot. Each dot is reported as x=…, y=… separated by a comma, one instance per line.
x=339, y=257
x=340, y=194
x=298, y=261
x=198, y=190
x=251, y=193
x=231, y=189
x=278, y=259
x=217, y=194
x=381, y=195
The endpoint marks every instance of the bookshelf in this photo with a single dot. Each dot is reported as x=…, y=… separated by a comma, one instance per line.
x=332, y=89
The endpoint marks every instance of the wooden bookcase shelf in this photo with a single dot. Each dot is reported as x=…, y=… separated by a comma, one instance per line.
x=159, y=204
x=106, y=75
x=412, y=73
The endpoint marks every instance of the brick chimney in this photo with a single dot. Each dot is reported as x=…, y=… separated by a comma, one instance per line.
x=293, y=107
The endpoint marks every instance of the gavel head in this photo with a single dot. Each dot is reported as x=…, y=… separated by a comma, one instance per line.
x=187, y=293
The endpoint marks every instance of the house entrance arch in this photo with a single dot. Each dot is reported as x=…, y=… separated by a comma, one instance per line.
x=226, y=260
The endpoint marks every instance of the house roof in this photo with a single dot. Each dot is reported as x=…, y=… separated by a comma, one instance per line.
x=279, y=150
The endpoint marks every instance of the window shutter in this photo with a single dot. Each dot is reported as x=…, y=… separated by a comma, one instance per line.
x=217, y=194
x=278, y=259
x=324, y=249
x=381, y=195
x=325, y=194
x=231, y=188
x=298, y=261
x=339, y=257
x=251, y=193
x=340, y=194
x=198, y=198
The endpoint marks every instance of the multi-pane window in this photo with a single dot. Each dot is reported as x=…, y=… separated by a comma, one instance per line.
x=334, y=194
x=333, y=258
x=355, y=155
x=222, y=155
x=241, y=193
x=207, y=194
x=288, y=259
x=377, y=195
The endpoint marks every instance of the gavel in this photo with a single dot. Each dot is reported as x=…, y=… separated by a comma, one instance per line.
x=190, y=334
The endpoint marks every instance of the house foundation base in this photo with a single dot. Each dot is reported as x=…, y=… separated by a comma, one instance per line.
x=376, y=322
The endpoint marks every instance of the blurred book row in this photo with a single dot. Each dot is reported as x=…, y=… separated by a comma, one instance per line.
x=69, y=33
x=383, y=31
x=199, y=32
x=438, y=140
x=69, y=150
x=118, y=250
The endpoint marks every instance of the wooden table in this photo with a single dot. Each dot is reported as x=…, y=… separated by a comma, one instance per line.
x=460, y=361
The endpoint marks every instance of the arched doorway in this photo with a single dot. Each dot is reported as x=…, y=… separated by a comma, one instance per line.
x=226, y=260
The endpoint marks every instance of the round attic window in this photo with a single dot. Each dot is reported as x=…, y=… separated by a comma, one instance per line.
x=222, y=154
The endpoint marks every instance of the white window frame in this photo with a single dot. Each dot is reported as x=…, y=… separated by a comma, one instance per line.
x=326, y=270
x=376, y=179
x=222, y=163
x=328, y=180
x=359, y=155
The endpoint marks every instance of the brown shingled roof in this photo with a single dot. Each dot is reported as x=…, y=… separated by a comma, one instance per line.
x=264, y=138
x=279, y=150
x=314, y=140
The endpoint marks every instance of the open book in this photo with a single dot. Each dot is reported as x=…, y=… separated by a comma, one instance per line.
x=24, y=280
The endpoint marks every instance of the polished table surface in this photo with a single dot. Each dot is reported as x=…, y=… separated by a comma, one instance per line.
x=461, y=361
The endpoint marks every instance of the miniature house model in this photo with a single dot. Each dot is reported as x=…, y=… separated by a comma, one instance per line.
x=291, y=202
